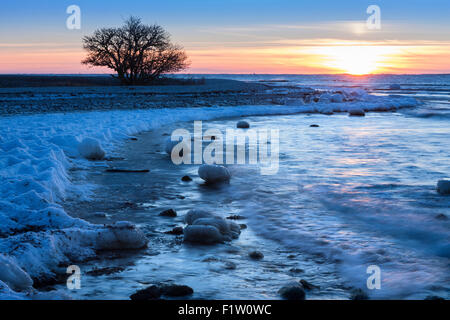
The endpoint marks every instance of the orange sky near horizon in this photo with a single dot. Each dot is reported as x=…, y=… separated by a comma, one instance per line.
x=315, y=56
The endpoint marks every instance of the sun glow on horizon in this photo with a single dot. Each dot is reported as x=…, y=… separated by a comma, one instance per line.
x=358, y=59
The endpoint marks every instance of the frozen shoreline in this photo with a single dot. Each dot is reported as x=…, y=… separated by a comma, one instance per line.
x=39, y=150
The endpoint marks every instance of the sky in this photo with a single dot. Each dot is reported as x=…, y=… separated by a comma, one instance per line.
x=246, y=36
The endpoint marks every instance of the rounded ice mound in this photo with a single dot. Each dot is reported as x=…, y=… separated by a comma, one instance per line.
x=91, y=149
x=171, y=144
x=337, y=97
x=443, y=187
x=120, y=235
x=195, y=214
x=395, y=86
x=13, y=275
x=242, y=124
x=356, y=112
x=213, y=173
x=205, y=227
x=202, y=234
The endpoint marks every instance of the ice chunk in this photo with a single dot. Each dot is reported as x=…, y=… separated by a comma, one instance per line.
x=227, y=229
x=13, y=275
x=213, y=173
x=91, y=149
x=202, y=234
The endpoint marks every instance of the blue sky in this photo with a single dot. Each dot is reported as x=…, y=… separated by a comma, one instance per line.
x=27, y=25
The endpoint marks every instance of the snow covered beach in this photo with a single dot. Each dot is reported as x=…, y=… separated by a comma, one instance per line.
x=40, y=157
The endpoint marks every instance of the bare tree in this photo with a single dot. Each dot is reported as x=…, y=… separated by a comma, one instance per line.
x=138, y=53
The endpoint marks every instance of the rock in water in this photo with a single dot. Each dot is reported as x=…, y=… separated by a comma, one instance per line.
x=150, y=293
x=186, y=179
x=168, y=213
x=256, y=255
x=156, y=291
x=174, y=290
x=443, y=187
x=91, y=149
x=202, y=234
x=356, y=113
x=176, y=231
x=204, y=227
x=359, y=294
x=243, y=124
x=214, y=173
x=292, y=291
x=120, y=235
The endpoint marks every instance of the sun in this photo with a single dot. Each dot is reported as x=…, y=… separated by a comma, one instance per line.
x=355, y=60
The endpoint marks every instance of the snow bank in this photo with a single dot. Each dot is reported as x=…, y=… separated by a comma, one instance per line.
x=36, y=152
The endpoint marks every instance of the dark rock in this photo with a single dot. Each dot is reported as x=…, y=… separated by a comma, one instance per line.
x=186, y=179
x=243, y=226
x=150, y=293
x=256, y=255
x=168, y=213
x=441, y=216
x=314, y=126
x=356, y=113
x=291, y=256
x=443, y=187
x=296, y=270
x=230, y=265
x=174, y=290
x=307, y=285
x=133, y=138
x=236, y=217
x=434, y=298
x=292, y=291
x=105, y=271
x=358, y=294
x=156, y=291
x=176, y=231
x=243, y=124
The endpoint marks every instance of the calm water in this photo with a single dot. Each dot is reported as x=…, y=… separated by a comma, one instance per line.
x=354, y=192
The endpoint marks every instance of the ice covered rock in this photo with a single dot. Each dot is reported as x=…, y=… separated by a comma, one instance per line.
x=356, y=112
x=337, y=97
x=443, y=187
x=91, y=149
x=171, y=144
x=120, y=235
x=13, y=275
x=205, y=227
x=395, y=86
x=202, y=234
x=213, y=173
x=195, y=214
x=242, y=124
x=292, y=291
